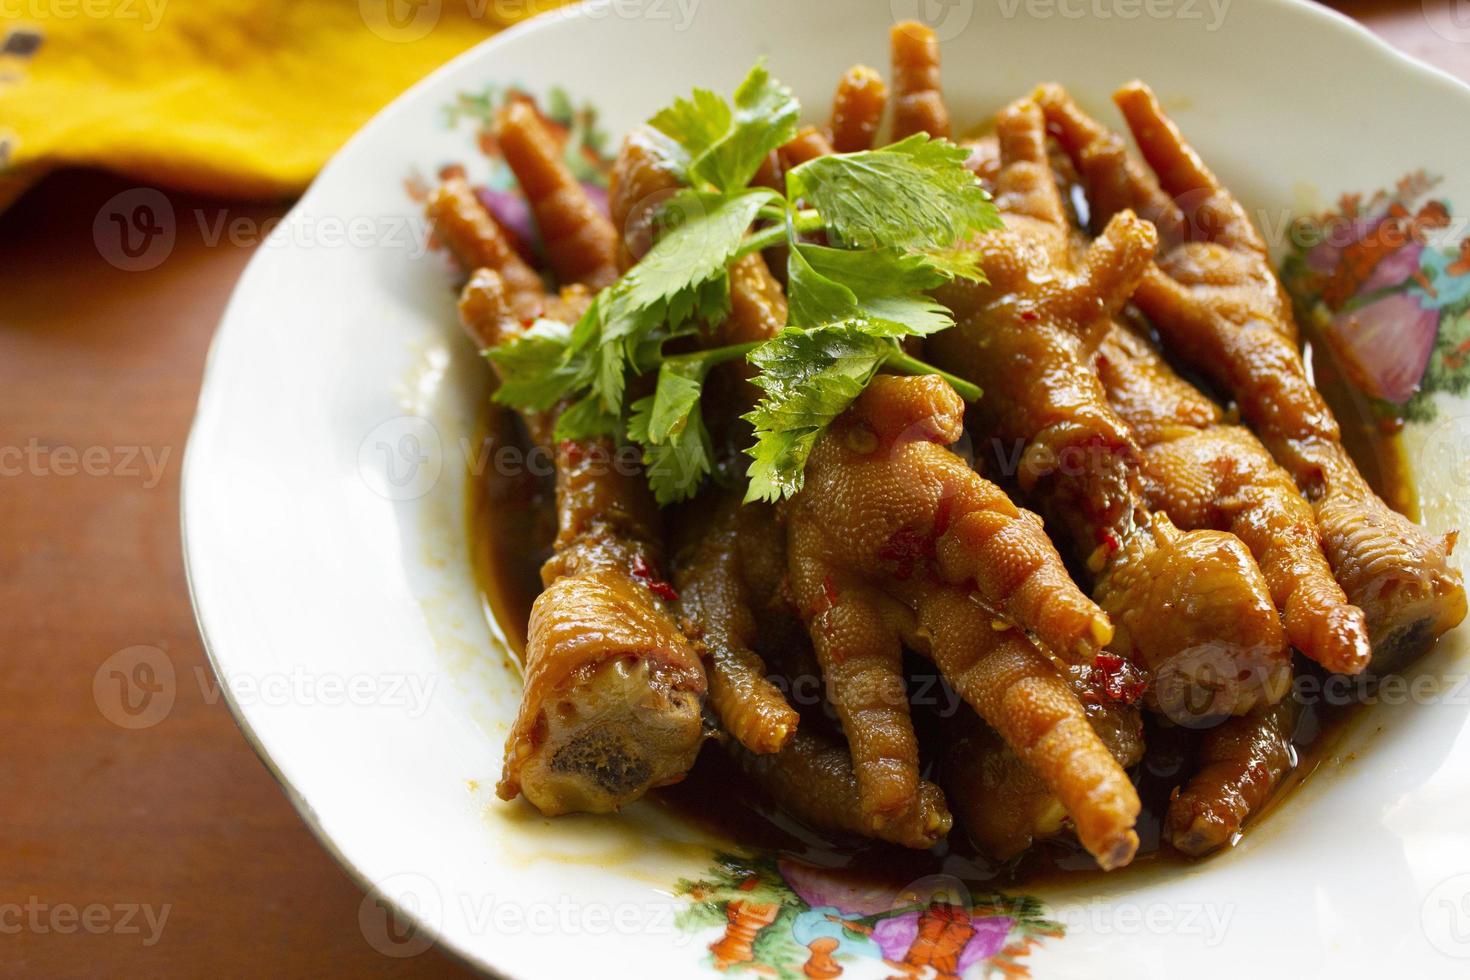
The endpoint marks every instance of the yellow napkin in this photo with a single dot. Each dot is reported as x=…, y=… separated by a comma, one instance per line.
x=241, y=98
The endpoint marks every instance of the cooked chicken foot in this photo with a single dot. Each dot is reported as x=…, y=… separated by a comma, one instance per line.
x=613, y=690
x=857, y=110
x=1239, y=765
x=812, y=778
x=894, y=540
x=1190, y=607
x=1002, y=803
x=1216, y=301
x=885, y=496
x=716, y=602
x=472, y=236
x=579, y=240
x=1027, y=700
x=918, y=102
x=1206, y=474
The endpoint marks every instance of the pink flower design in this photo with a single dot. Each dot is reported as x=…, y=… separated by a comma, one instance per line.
x=1385, y=346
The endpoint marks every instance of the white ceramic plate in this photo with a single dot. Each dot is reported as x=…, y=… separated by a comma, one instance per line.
x=325, y=533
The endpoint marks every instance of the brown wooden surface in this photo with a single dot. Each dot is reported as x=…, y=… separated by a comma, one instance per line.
x=181, y=813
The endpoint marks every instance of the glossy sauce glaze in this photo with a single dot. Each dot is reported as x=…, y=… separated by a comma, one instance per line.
x=512, y=526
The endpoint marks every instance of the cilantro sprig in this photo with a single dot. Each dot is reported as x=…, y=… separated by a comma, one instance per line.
x=723, y=146
x=893, y=219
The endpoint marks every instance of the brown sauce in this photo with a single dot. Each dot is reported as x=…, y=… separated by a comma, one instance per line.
x=511, y=527
x=512, y=524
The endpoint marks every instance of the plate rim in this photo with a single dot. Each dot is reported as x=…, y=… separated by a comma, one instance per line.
x=1349, y=29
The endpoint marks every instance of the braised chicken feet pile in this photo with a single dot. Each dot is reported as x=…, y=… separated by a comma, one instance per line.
x=1082, y=477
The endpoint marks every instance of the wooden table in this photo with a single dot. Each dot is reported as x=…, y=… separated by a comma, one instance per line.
x=99, y=371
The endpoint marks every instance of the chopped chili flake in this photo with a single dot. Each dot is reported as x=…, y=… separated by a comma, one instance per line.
x=572, y=450
x=829, y=592
x=1120, y=681
x=644, y=573
x=825, y=603
x=907, y=549
x=1029, y=316
x=1109, y=540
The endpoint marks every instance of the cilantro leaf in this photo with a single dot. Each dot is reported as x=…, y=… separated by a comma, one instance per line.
x=874, y=272
x=812, y=298
x=906, y=316
x=766, y=114
x=704, y=231
x=618, y=331
x=727, y=145
x=694, y=123
x=677, y=394
x=914, y=195
x=683, y=278
x=809, y=378
x=677, y=453
x=898, y=217
x=676, y=464
x=603, y=373
x=535, y=369
x=585, y=419
x=956, y=263
x=885, y=286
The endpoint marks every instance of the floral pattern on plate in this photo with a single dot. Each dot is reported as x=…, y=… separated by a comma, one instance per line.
x=585, y=150
x=1383, y=280
x=788, y=919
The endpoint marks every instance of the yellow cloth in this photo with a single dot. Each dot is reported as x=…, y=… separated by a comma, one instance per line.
x=243, y=98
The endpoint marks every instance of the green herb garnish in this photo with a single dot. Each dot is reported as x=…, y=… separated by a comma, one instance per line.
x=894, y=219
